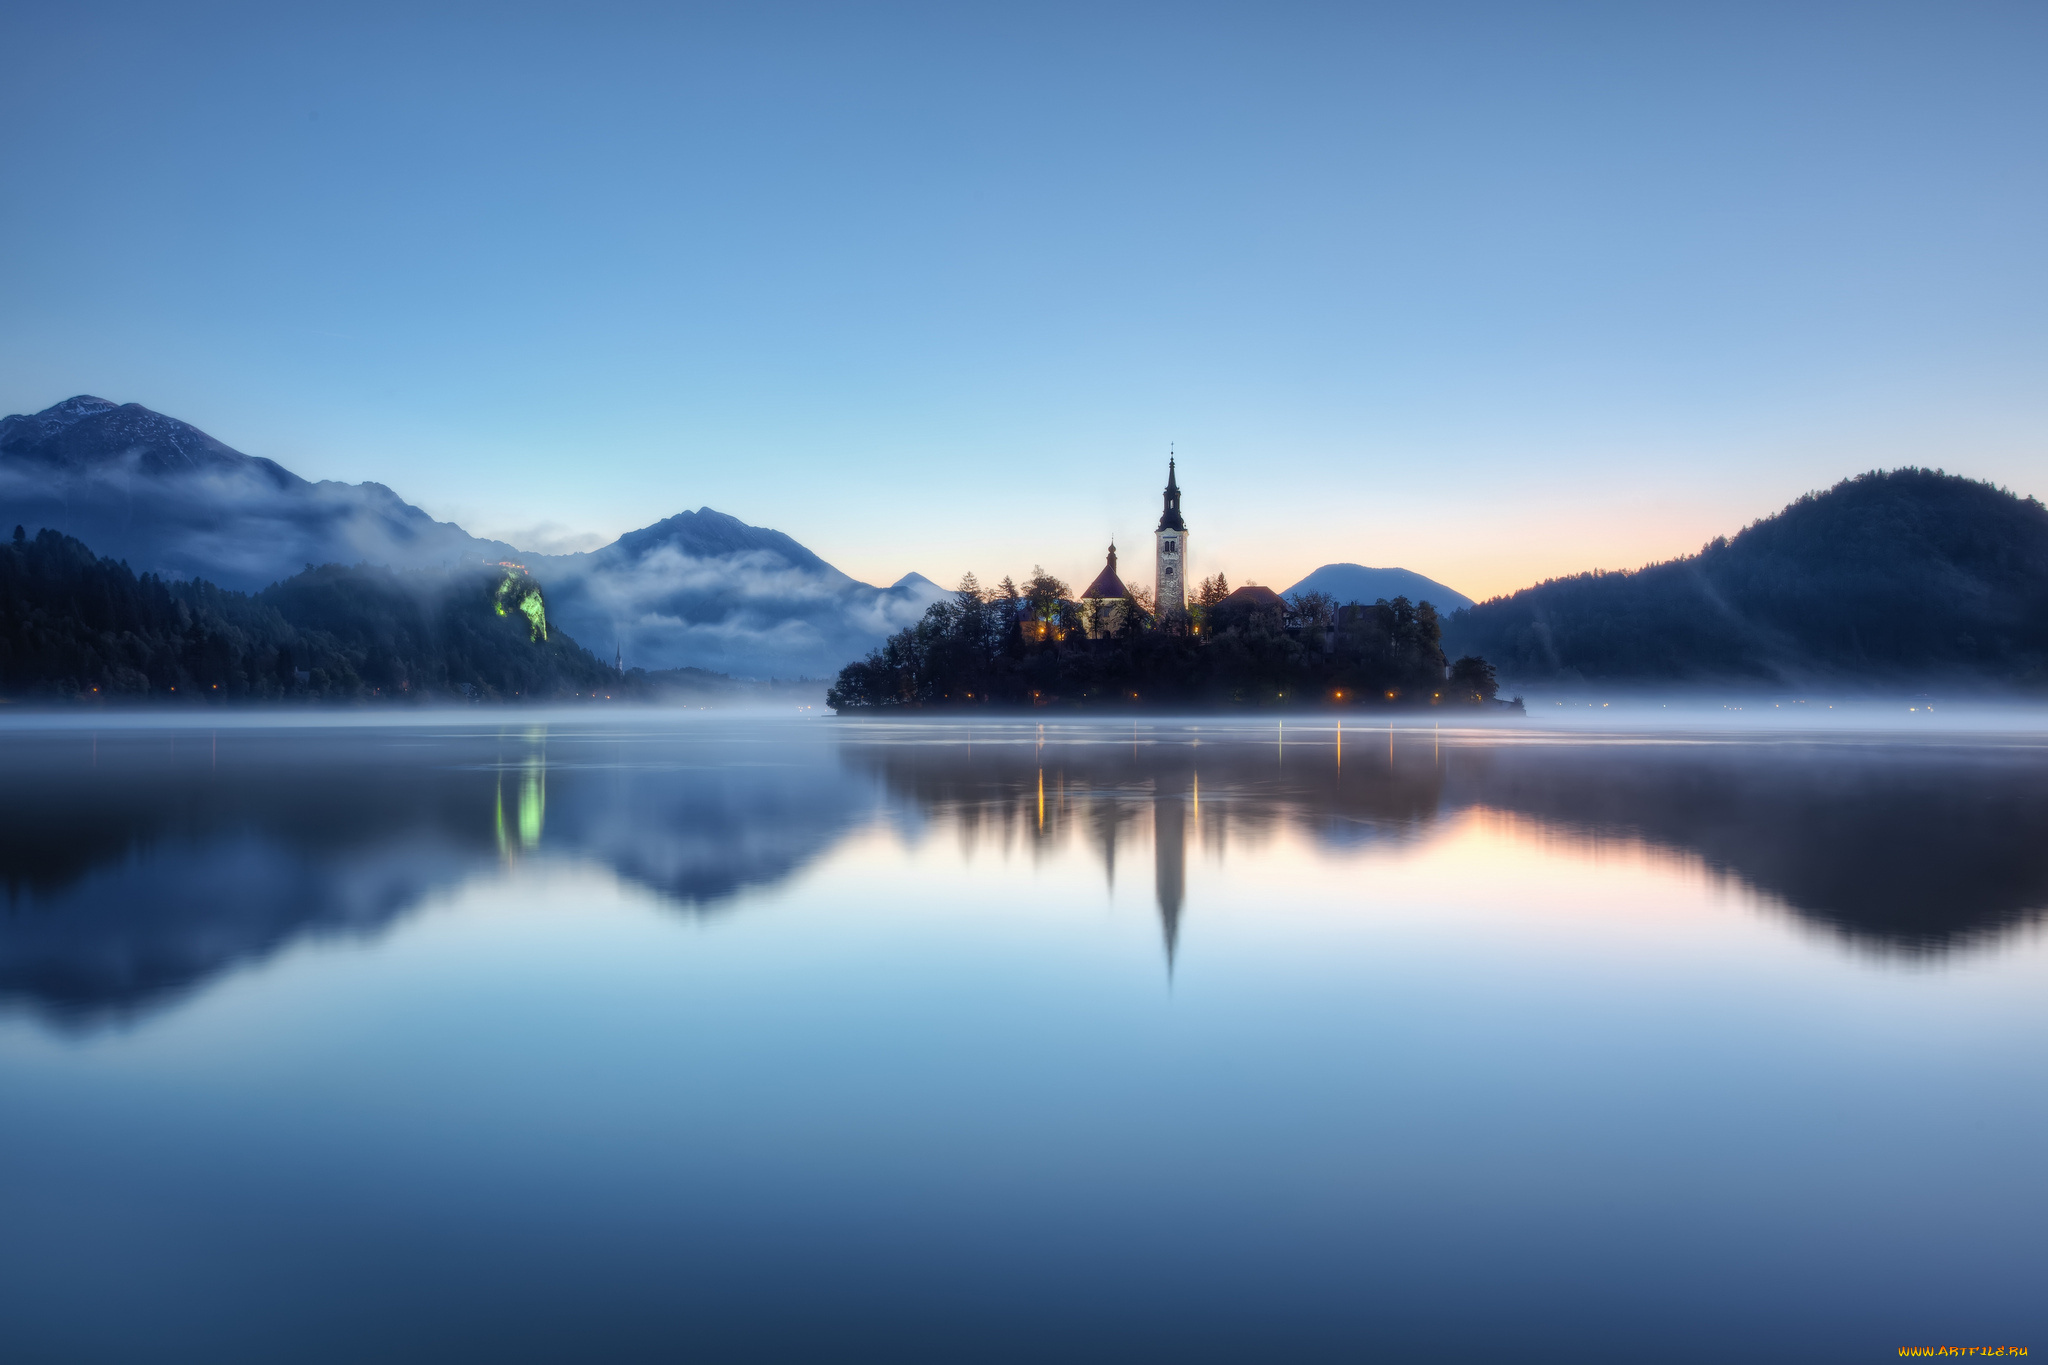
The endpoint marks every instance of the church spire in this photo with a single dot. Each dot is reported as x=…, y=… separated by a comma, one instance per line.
x=1169, y=516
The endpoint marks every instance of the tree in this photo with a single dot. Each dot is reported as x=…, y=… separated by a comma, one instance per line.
x=1472, y=679
x=1046, y=593
x=1072, y=620
x=1314, y=609
x=1132, y=619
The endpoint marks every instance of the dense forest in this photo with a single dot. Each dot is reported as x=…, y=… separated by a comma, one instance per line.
x=1911, y=574
x=1028, y=647
x=76, y=626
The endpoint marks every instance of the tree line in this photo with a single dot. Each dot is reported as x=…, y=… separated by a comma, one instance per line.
x=77, y=626
x=1911, y=573
x=1036, y=645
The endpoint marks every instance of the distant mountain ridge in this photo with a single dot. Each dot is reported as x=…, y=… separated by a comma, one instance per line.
x=1357, y=583
x=174, y=501
x=1907, y=574
x=705, y=534
x=708, y=589
x=698, y=589
x=87, y=433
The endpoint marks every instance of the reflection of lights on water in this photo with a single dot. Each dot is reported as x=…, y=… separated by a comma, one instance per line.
x=531, y=812
x=533, y=800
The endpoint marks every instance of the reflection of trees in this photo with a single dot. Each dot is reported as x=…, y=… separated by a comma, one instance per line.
x=1103, y=787
x=132, y=882
x=1911, y=847
x=699, y=831
x=137, y=870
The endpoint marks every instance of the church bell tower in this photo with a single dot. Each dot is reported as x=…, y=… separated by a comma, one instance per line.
x=1171, y=541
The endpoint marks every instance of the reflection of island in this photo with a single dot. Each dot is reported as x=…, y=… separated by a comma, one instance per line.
x=140, y=867
x=1903, y=846
x=1102, y=785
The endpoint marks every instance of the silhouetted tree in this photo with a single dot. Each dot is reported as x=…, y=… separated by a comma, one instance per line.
x=1046, y=593
x=1472, y=679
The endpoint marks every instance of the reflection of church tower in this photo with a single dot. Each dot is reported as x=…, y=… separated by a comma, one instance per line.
x=1172, y=539
x=1170, y=860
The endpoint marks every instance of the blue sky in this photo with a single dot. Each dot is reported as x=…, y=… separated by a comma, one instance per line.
x=1491, y=292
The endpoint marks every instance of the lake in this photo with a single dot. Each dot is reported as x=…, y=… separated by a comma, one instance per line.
x=684, y=1036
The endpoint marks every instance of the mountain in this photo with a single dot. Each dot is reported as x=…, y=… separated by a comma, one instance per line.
x=172, y=501
x=1911, y=574
x=707, y=590
x=1357, y=583
x=701, y=589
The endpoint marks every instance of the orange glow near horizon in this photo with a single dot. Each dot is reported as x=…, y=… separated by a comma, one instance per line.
x=1498, y=548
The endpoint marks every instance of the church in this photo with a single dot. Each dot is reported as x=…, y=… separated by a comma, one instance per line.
x=1169, y=563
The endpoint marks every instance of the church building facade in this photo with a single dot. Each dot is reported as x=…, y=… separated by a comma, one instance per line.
x=1102, y=598
x=1170, y=550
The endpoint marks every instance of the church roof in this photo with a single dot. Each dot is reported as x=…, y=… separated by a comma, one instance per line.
x=1106, y=583
x=1252, y=595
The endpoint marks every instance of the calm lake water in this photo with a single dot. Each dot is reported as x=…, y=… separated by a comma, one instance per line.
x=699, y=1037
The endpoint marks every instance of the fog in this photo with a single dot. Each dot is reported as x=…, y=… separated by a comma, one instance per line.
x=751, y=613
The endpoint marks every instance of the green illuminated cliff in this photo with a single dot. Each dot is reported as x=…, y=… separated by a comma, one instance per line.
x=519, y=594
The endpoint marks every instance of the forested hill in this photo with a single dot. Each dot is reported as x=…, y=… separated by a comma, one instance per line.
x=76, y=626
x=1888, y=576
